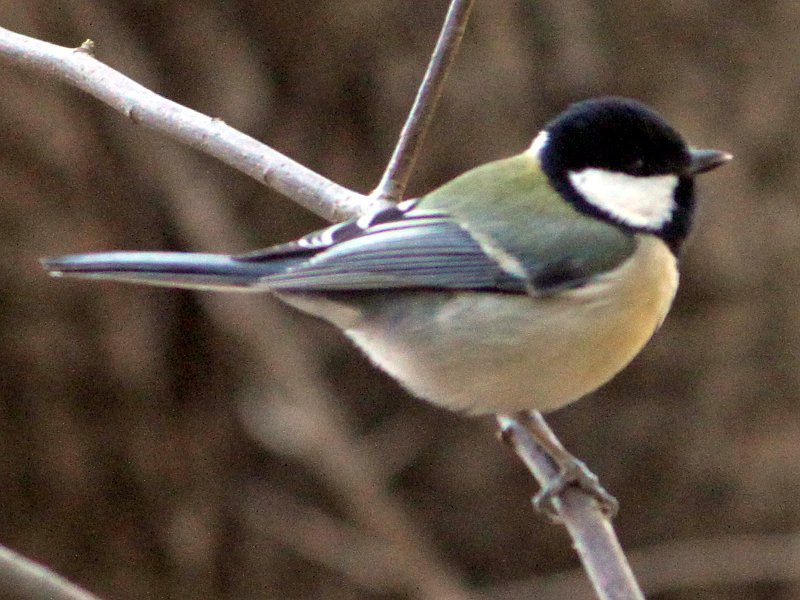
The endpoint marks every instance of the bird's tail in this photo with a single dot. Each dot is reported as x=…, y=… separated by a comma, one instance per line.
x=170, y=269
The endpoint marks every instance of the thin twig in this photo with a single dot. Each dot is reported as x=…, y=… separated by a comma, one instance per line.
x=23, y=579
x=395, y=179
x=79, y=68
x=591, y=531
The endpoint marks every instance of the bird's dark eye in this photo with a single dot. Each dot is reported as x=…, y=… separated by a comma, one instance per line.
x=636, y=166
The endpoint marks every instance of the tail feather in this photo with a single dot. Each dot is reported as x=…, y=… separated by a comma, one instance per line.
x=170, y=269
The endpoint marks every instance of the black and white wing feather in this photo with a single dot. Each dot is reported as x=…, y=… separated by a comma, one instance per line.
x=399, y=247
x=395, y=248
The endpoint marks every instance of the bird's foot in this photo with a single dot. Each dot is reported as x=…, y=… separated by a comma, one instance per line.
x=575, y=473
x=571, y=471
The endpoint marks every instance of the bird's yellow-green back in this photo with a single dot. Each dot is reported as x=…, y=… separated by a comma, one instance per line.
x=510, y=204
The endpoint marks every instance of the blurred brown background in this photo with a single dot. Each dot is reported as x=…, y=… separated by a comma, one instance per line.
x=163, y=444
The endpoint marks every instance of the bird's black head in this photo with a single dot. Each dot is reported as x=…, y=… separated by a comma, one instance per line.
x=617, y=160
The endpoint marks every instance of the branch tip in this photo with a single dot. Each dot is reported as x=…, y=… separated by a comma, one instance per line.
x=395, y=179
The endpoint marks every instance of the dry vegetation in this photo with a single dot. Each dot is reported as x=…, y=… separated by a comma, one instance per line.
x=163, y=444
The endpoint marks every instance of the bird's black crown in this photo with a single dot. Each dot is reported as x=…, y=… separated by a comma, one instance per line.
x=615, y=134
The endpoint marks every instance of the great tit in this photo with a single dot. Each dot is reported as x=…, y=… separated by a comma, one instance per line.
x=523, y=284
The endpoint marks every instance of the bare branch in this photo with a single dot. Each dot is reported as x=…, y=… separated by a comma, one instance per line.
x=79, y=68
x=395, y=179
x=591, y=531
x=23, y=579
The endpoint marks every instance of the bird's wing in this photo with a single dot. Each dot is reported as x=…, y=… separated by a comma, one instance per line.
x=402, y=247
x=392, y=248
x=412, y=247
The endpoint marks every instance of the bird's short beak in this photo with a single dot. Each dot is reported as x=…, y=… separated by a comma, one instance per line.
x=701, y=161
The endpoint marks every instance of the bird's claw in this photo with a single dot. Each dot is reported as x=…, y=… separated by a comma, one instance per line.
x=577, y=474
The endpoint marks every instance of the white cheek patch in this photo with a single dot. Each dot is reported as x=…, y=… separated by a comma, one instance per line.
x=645, y=202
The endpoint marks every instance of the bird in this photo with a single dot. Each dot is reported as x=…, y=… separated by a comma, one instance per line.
x=523, y=284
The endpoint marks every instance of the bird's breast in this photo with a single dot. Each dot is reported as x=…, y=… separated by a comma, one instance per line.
x=484, y=353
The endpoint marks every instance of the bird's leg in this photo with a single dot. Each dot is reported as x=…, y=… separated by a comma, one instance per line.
x=571, y=470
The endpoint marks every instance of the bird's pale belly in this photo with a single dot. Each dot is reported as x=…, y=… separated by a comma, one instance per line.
x=482, y=353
